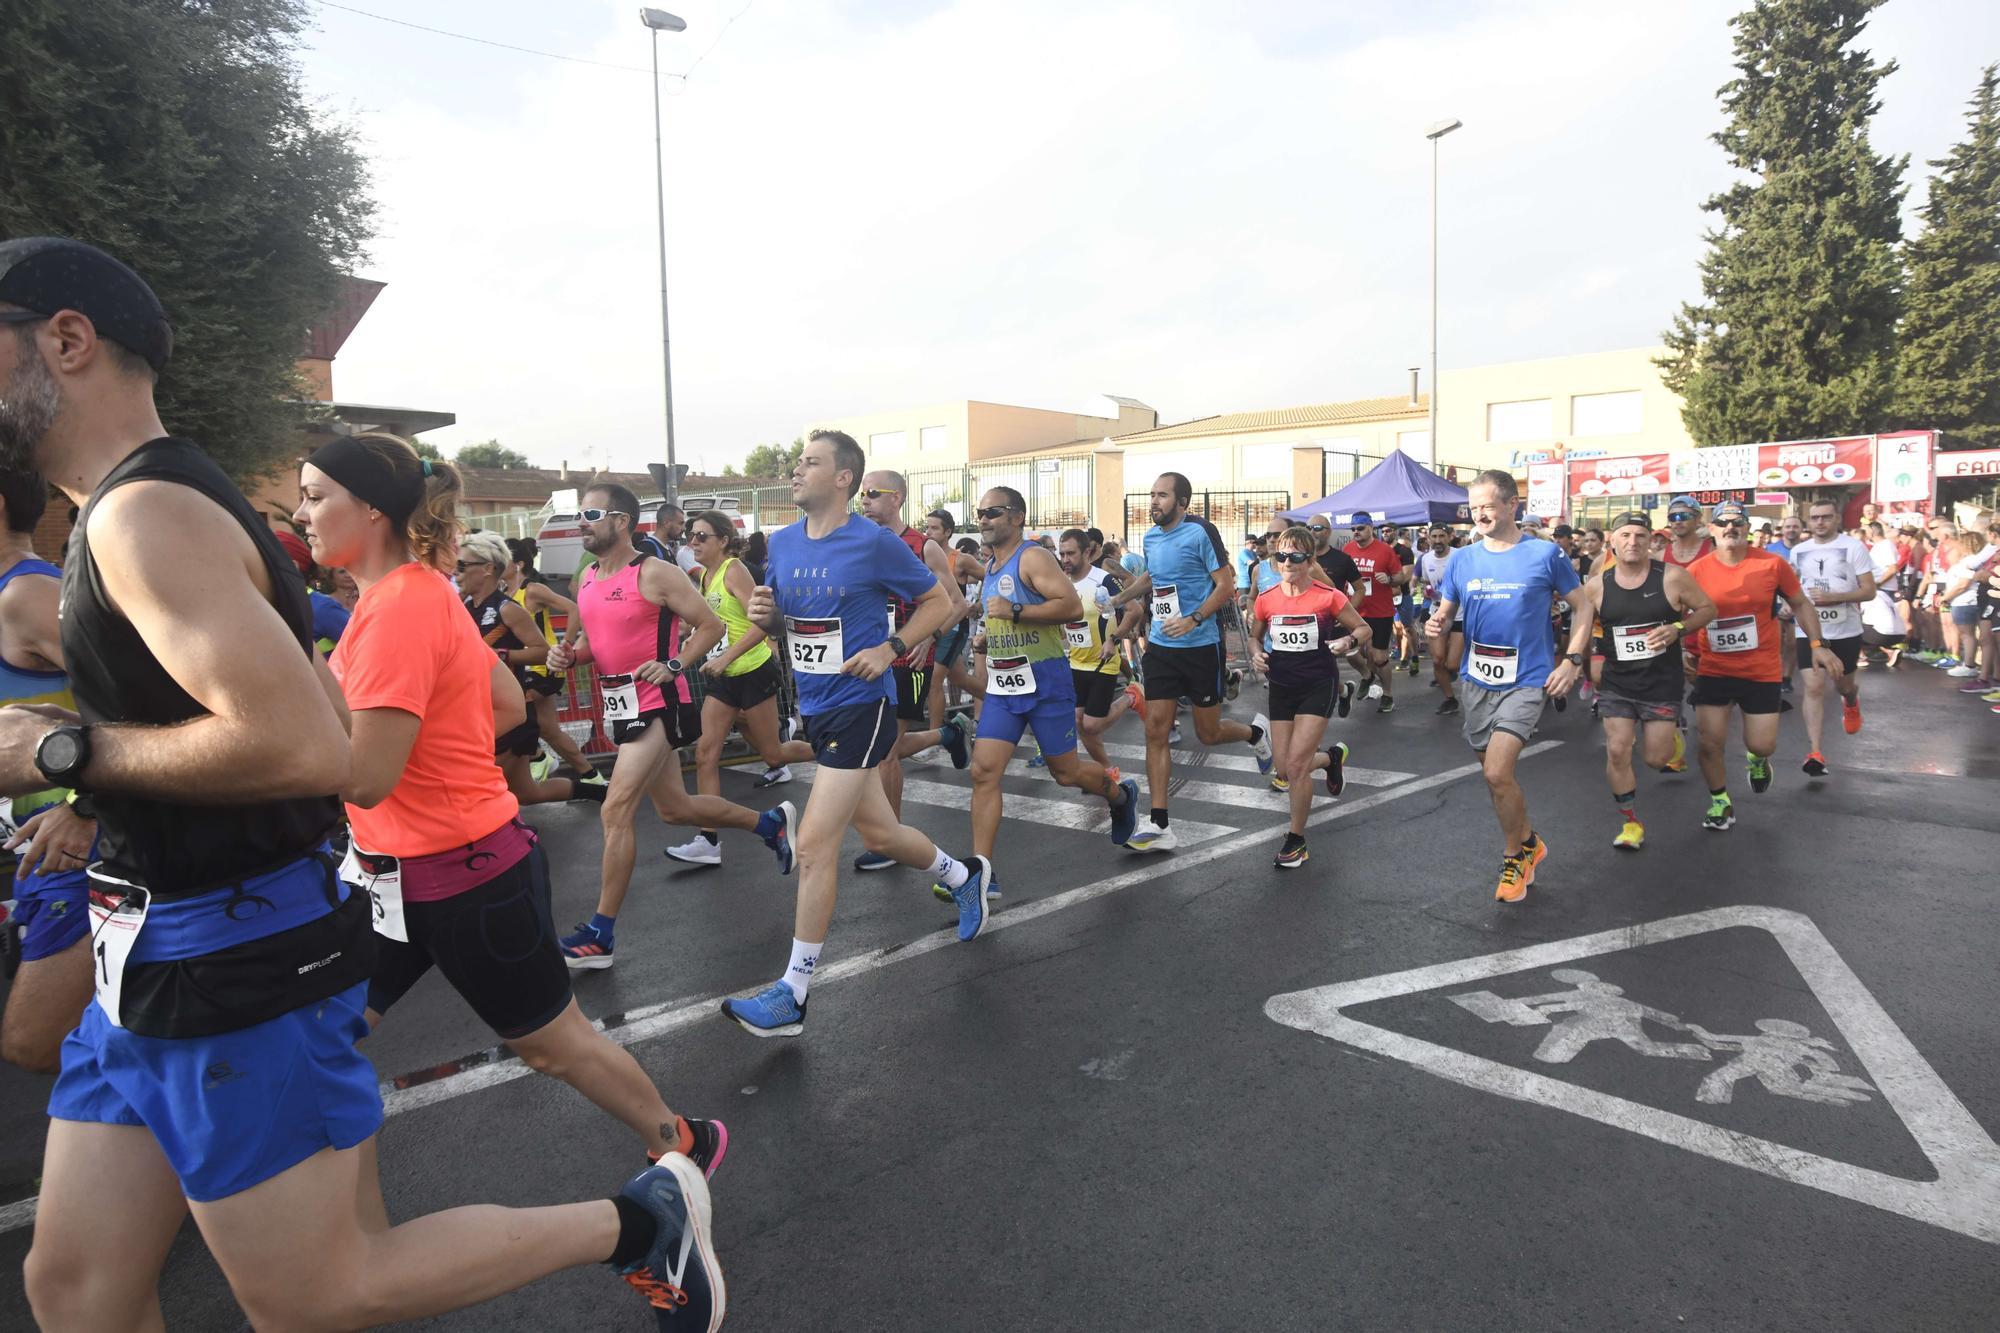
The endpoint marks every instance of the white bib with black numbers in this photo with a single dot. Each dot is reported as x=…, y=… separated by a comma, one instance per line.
x=1166, y=601
x=117, y=914
x=382, y=878
x=621, y=698
x=1738, y=634
x=1009, y=675
x=1295, y=634
x=1491, y=664
x=815, y=645
x=1628, y=642
x=1076, y=635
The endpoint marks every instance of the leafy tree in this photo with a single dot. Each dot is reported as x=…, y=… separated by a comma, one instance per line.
x=773, y=460
x=1951, y=334
x=729, y=470
x=489, y=453
x=425, y=449
x=1795, y=335
x=175, y=135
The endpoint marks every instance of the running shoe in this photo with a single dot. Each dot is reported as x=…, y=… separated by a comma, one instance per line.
x=971, y=899
x=1346, y=704
x=1961, y=673
x=1632, y=837
x=1721, y=814
x=591, y=779
x=1679, y=763
x=775, y=827
x=1541, y=854
x=1261, y=747
x=1233, y=685
x=1152, y=838
x=1037, y=760
x=1292, y=852
x=774, y=777
x=771, y=1012
x=1815, y=765
x=874, y=861
x=1136, y=695
x=541, y=766
x=1278, y=783
x=1449, y=708
x=1411, y=665
x=679, y=1277
x=1992, y=698
x=1760, y=771
x=1174, y=734
x=1976, y=687
x=711, y=1144
x=952, y=737
x=697, y=851
x=943, y=895
x=1388, y=704
x=1944, y=663
x=1515, y=877
x=585, y=950
x=1374, y=689
x=1125, y=818
x=1336, y=768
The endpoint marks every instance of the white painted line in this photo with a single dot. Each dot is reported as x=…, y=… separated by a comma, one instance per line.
x=1964, y=1198
x=1247, y=763
x=1086, y=813
x=1241, y=795
x=660, y=1020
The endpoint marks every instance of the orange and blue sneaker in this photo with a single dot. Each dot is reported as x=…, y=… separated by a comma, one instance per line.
x=679, y=1276
x=1515, y=875
x=585, y=950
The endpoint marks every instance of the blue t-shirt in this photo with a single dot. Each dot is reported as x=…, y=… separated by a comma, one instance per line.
x=1244, y=555
x=329, y=616
x=842, y=583
x=1182, y=558
x=1779, y=549
x=1506, y=597
x=1132, y=563
x=1268, y=577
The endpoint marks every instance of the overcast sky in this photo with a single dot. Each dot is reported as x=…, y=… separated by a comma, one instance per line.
x=884, y=203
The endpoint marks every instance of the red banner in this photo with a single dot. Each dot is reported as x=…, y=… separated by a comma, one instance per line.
x=1638, y=474
x=1845, y=462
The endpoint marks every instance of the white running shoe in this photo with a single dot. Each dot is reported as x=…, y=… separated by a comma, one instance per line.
x=1261, y=747
x=697, y=851
x=1375, y=690
x=1152, y=838
x=1961, y=672
x=773, y=777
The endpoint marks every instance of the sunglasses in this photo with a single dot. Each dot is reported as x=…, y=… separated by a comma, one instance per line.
x=1727, y=523
x=464, y=565
x=876, y=495
x=21, y=316
x=704, y=536
x=995, y=511
x=597, y=515
x=1682, y=516
x=1291, y=557
x=1318, y=527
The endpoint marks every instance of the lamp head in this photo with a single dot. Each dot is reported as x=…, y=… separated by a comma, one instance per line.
x=661, y=20
x=1443, y=127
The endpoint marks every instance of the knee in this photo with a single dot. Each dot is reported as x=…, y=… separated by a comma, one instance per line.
x=1499, y=777
x=1619, y=754
x=1208, y=729
x=985, y=772
x=544, y=1057
x=33, y=1052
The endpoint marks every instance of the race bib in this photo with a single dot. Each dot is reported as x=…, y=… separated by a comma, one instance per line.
x=382, y=877
x=815, y=646
x=117, y=915
x=1009, y=675
x=1076, y=635
x=721, y=647
x=621, y=698
x=1295, y=634
x=1493, y=665
x=1166, y=601
x=1628, y=642
x=1738, y=634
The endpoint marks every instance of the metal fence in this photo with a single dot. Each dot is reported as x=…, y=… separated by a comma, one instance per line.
x=1059, y=491
x=1232, y=512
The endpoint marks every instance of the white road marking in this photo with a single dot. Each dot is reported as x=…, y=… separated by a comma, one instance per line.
x=1247, y=763
x=1086, y=813
x=1964, y=1198
x=1241, y=795
x=660, y=1020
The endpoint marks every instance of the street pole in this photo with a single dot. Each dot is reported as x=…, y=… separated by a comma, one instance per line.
x=1434, y=133
x=656, y=20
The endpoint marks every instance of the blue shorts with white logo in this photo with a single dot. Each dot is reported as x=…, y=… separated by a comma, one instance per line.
x=54, y=912
x=1050, y=710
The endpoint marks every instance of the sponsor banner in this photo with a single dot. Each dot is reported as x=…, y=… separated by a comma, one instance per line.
x=1545, y=489
x=1903, y=466
x=1729, y=467
x=1815, y=463
x=1636, y=474
x=1969, y=463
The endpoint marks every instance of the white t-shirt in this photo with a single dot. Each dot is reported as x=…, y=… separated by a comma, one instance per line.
x=1967, y=569
x=1881, y=614
x=1430, y=571
x=1832, y=566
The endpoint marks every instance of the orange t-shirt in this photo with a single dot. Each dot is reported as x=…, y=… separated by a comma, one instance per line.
x=1745, y=640
x=410, y=646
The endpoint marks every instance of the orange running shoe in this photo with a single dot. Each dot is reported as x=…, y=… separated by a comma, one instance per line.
x=1514, y=876
x=1541, y=854
x=1850, y=715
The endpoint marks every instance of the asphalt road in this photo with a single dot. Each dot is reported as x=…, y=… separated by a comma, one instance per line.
x=1103, y=1115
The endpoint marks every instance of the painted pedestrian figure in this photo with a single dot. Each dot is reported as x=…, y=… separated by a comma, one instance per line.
x=1594, y=1011
x=1787, y=1059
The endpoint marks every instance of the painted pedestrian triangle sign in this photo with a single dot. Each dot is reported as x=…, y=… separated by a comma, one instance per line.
x=1781, y=1057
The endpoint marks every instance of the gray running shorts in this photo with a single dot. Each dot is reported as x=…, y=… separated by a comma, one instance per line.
x=1614, y=703
x=1517, y=712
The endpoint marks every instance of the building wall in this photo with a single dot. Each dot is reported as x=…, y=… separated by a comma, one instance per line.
x=1598, y=403
x=950, y=435
x=1263, y=459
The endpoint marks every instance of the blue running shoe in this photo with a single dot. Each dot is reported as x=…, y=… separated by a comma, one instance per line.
x=586, y=950
x=971, y=899
x=1038, y=760
x=875, y=861
x=775, y=827
x=1125, y=818
x=771, y=1012
x=943, y=895
x=952, y=737
x=679, y=1277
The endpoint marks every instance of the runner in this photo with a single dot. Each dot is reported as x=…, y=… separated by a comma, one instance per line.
x=634, y=614
x=1343, y=577
x=1838, y=575
x=954, y=641
x=1302, y=621
x=1686, y=541
x=882, y=497
x=1187, y=580
x=1506, y=582
x=740, y=676
x=50, y=831
x=509, y=631
x=526, y=585
x=176, y=592
x=437, y=838
x=1882, y=625
x=1741, y=661
x=832, y=573
x=1445, y=652
x=1645, y=608
x=1029, y=604
x=1092, y=643
x=1381, y=573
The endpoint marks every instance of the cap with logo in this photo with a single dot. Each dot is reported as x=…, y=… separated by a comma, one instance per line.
x=1729, y=509
x=1683, y=502
x=48, y=274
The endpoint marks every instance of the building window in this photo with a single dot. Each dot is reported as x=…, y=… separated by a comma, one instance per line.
x=889, y=442
x=1529, y=420
x=1605, y=413
x=934, y=439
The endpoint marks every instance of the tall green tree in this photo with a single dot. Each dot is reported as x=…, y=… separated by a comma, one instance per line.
x=1950, y=358
x=1795, y=334
x=174, y=134
x=773, y=460
x=489, y=453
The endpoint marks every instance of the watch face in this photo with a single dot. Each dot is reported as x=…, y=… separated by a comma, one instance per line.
x=60, y=751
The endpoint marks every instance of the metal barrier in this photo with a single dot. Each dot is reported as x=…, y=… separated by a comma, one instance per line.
x=1232, y=512
x=1059, y=491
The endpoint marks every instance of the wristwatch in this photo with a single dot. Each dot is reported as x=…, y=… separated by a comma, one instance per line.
x=1015, y=609
x=1196, y=617
x=673, y=664
x=896, y=642
x=63, y=755
x=1574, y=659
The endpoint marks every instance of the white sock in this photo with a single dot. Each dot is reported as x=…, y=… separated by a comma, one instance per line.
x=948, y=872
x=799, y=974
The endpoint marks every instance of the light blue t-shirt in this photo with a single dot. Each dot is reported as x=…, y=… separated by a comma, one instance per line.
x=1505, y=597
x=840, y=584
x=1182, y=559
x=1244, y=555
x=1268, y=577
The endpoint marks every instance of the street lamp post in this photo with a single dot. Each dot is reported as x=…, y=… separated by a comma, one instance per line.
x=658, y=21
x=1434, y=133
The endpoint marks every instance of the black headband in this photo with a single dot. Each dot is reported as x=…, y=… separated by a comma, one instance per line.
x=362, y=471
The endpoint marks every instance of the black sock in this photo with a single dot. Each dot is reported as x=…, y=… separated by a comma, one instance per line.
x=1719, y=791
x=579, y=790
x=637, y=1230
x=1256, y=733
x=708, y=834
x=1528, y=843
x=1159, y=816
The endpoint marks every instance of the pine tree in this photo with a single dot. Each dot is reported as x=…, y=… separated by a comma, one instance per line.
x=174, y=134
x=1950, y=341
x=1795, y=335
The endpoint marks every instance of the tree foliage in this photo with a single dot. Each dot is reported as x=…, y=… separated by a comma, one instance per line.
x=1795, y=334
x=425, y=449
x=174, y=134
x=773, y=460
x=1950, y=353
x=489, y=453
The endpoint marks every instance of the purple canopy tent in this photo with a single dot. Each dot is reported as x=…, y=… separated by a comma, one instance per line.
x=1396, y=490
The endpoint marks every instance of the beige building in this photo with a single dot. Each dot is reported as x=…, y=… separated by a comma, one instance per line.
x=953, y=434
x=1594, y=405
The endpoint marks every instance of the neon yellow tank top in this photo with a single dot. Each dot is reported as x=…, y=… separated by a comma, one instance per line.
x=735, y=621
x=541, y=623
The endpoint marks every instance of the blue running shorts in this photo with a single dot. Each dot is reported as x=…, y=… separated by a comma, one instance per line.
x=54, y=912
x=1004, y=717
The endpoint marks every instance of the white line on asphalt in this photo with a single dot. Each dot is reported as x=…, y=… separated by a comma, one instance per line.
x=1244, y=763
x=1086, y=814
x=653, y=1021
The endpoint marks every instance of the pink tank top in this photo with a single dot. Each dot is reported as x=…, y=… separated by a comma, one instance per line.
x=625, y=629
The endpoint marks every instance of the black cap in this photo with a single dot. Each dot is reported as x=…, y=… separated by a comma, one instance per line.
x=1633, y=518
x=47, y=274
x=1564, y=530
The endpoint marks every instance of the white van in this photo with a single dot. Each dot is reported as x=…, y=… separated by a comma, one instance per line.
x=560, y=538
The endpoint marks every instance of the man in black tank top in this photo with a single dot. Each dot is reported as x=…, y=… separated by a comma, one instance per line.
x=230, y=965
x=1645, y=607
